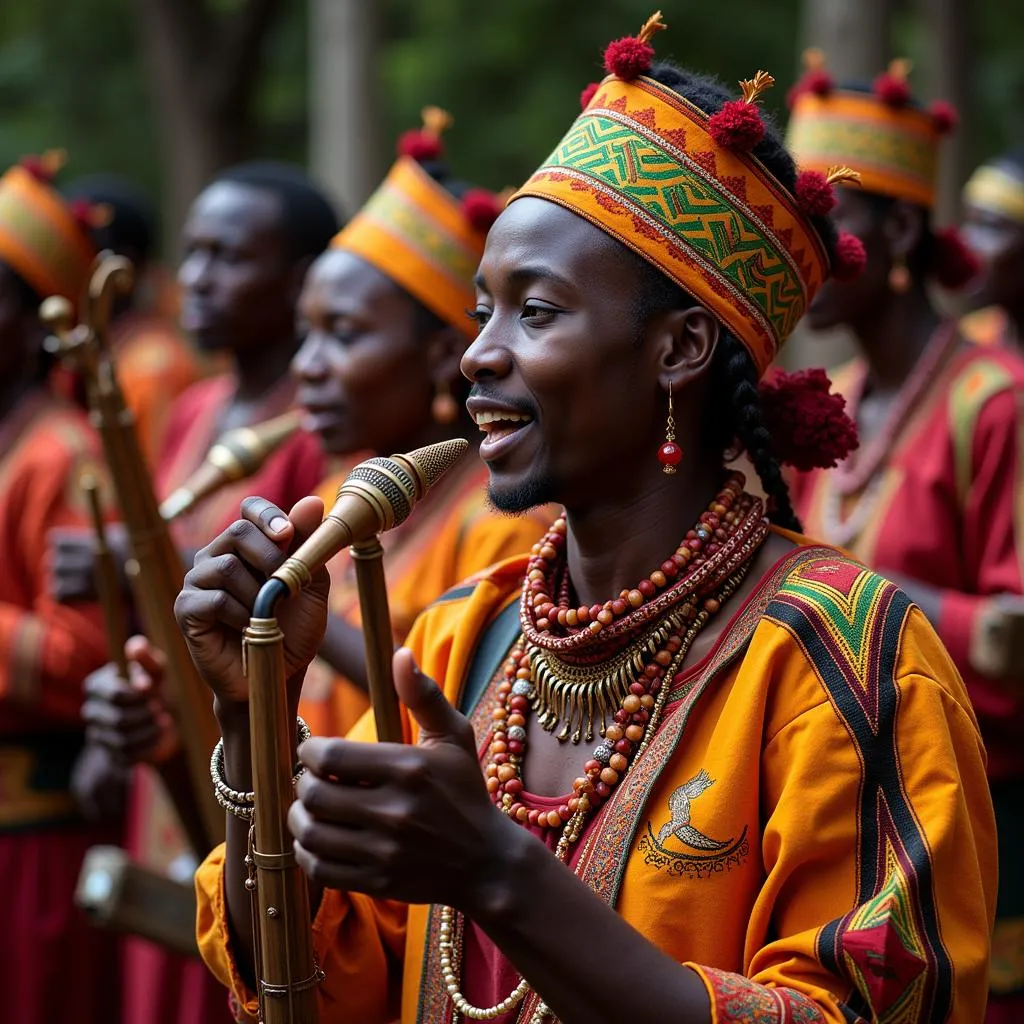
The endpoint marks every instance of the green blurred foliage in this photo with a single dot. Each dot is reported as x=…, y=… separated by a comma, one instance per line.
x=71, y=73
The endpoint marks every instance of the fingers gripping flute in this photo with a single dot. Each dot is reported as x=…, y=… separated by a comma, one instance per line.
x=157, y=570
x=235, y=455
x=378, y=495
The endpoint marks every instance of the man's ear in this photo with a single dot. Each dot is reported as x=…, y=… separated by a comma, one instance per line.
x=682, y=343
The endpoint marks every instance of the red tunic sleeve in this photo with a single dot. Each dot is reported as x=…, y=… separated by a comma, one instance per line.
x=46, y=649
x=991, y=478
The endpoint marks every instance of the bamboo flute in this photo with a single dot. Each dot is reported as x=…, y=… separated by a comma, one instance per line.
x=378, y=495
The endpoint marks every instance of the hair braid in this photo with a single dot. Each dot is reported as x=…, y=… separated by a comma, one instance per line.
x=752, y=433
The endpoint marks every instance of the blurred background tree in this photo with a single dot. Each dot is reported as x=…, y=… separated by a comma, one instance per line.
x=166, y=91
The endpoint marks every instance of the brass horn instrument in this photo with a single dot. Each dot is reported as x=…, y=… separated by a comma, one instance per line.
x=378, y=495
x=235, y=455
x=156, y=569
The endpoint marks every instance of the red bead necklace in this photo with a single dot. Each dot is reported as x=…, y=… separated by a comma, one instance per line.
x=633, y=694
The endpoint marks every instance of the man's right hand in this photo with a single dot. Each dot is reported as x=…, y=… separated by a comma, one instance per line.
x=216, y=602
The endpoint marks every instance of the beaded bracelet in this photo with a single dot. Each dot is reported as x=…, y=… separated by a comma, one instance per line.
x=234, y=801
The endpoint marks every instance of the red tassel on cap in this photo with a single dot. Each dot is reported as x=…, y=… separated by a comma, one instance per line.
x=815, y=192
x=481, y=208
x=588, y=94
x=422, y=144
x=892, y=87
x=808, y=423
x=815, y=195
x=815, y=79
x=850, y=257
x=953, y=265
x=944, y=117
x=738, y=125
x=44, y=168
x=92, y=215
x=631, y=57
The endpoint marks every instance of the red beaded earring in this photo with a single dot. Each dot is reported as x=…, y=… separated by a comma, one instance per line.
x=670, y=453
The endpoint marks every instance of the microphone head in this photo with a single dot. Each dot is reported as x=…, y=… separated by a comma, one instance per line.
x=432, y=462
x=394, y=485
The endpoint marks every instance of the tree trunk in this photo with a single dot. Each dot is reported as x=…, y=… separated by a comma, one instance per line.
x=853, y=36
x=203, y=71
x=345, y=143
x=949, y=75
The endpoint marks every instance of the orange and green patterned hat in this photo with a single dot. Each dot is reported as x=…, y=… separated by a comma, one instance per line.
x=894, y=143
x=683, y=190
x=43, y=238
x=414, y=231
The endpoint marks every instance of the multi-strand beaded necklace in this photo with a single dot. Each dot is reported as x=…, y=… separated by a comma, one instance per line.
x=605, y=668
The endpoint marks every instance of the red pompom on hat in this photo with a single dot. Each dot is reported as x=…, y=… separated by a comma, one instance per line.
x=953, y=265
x=808, y=423
x=44, y=168
x=891, y=87
x=631, y=56
x=91, y=215
x=815, y=192
x=423, y=144
x=815, y=79
x=850, y=258
x=588, y=94
x=944, y=117
x=815, y=195
x=738, y=125
x=481, y=208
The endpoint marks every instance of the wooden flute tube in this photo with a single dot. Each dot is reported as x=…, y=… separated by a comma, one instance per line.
x=286, y=970
x=378, y=639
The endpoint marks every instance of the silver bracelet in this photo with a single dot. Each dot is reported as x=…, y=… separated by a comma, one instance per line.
x=243, y=804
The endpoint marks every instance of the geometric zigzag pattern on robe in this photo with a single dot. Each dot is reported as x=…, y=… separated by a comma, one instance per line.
x=699, y=217
x=848, y=622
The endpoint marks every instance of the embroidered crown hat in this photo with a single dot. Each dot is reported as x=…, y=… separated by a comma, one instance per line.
x=993, y=188
x=416, y=232
x=895, y=142
x=683, y=189
x=44, y=238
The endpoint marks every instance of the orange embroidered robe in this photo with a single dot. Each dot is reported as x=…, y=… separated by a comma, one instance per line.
x=50, y=958
x=450, y=536
x=853, y=874
x=947, y=509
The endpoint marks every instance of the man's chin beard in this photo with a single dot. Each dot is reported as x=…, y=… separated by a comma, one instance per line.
x=520, y=498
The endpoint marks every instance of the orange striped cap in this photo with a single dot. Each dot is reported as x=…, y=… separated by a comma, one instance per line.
x=40, y=238
x=415, y=232
x=641, y=164
x=895, y=149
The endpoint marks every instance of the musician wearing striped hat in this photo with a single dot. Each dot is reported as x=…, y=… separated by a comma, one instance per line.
x=679, y=763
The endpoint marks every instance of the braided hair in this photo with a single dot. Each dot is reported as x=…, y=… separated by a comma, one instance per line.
x=734, y=375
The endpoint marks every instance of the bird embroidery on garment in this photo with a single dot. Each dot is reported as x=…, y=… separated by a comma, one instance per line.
x=679, y=825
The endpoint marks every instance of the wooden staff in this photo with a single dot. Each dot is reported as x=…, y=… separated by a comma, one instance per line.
x=378, y=495
x=235, y=455
x=107, y=585
x=157, y=572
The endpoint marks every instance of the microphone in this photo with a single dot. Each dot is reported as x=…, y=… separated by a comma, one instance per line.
x=378, y=495
x=235, y=455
